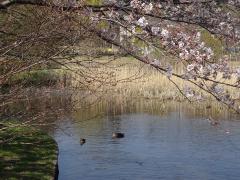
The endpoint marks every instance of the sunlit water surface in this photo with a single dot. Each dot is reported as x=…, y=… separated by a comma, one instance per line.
x=171, y=145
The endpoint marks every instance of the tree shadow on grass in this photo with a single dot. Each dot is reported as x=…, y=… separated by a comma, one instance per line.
x=29, y=154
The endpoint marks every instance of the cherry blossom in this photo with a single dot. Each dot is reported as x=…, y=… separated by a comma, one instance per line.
x=145, y=29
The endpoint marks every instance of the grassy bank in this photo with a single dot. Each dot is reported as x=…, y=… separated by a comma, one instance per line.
x=26, y=153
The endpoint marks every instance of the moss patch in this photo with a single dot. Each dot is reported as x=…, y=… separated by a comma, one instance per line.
x=26, y=154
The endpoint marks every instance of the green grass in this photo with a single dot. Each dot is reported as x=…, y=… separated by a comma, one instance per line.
x=36, y=78
x=26, y=153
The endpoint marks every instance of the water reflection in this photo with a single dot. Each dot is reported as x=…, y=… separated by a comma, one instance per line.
x=162, y=141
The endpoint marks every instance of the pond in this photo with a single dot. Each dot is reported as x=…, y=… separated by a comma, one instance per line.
x=161, y=141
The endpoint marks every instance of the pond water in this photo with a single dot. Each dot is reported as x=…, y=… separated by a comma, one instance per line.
x=177, y=143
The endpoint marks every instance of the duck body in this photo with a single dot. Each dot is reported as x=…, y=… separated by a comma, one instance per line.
x=118, y=135
x=82, y=141
x=213, y=122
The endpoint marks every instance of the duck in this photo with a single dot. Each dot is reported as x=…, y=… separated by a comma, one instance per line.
x=82, y=141
x=117, y=135
x=213, y=122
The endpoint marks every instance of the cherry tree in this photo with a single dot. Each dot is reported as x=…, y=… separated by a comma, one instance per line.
x=171, y=28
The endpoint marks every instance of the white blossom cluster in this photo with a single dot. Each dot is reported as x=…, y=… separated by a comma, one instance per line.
x=234, y=3
x=210, y=15
x=237, y=74
x=189, y=93
x=142, y=22
x=222, y=95
x=193, y=48
x=210, y=70
x=217, y=89
x=189, y=46
x=142, y=6
x=168, y=27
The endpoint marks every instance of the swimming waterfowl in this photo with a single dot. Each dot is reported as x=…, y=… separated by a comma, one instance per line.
x=213, y=122
x=118, y=135
x=82, y=141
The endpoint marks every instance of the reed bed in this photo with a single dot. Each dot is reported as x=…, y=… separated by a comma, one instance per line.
x=129, y=79
x=141, y=80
